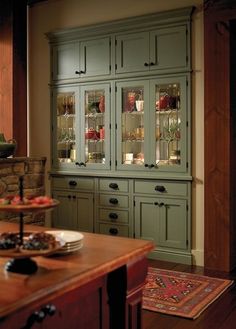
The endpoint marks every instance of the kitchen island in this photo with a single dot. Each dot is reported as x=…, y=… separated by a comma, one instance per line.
x=98, y=287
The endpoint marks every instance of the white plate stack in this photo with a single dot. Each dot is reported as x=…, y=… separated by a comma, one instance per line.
x=73, y=241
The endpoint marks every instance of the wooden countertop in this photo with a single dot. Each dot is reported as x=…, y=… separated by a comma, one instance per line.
x=56, y=275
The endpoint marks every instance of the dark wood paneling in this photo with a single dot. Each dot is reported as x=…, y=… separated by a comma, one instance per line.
x=220, y=230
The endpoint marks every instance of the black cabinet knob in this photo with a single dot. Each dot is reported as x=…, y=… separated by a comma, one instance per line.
x=113, y=201
x=151, y=165
x=82, y=164
x=152, y=63
x=114, y=186
x=77, y=72
x=113, y=231
x=146, y=64
x=146, y=165
x=72, y=183
x=161, y=204
x=160, y=188
x=82, y=72
x=38, y=316
x=156, y=203
x=113, y=215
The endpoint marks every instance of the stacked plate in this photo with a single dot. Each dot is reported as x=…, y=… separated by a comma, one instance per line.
x=73, y=241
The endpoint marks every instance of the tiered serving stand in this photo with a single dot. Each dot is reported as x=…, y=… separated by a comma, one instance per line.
x=21, y=261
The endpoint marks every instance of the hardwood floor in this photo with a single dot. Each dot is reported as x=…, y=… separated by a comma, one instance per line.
x=220, y=315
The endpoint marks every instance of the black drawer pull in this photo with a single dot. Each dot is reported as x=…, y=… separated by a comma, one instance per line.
x=39, y=316
x=113, y=201
x=160, y=188
x=113, y=185
x=49, y=309
x=72, y=183
x=113, y=231
x=113, y=215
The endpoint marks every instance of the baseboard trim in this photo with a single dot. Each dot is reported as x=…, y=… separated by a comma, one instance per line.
x=170, y=256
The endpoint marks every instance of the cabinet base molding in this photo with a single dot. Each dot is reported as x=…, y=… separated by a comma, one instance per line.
x=169, y=256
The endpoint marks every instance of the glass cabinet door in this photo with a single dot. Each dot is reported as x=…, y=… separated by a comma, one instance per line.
x=132, y=119
x=94, y=123
x=65, y=126
x=151, y=124
x=168, y=112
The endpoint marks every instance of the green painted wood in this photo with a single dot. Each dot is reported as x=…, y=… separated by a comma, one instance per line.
x=168, y=48
x=75, y=211
x=114, y=229
x=95, y=57
x=132, y=52
x=120, y=201
x=173, y=223
x=65, y=215
x=162, y=49
x=65, y=59
x=162, y=220
x=111, y=216
x=161, y=188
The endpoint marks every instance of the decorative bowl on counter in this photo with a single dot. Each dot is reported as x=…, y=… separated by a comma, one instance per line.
x=7, y=148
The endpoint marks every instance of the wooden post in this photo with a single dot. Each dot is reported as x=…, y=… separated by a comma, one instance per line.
x=13, y=72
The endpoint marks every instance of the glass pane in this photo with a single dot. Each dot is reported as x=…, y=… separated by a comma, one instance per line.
x=168, y=124
x=133, y=125
x=95, y=126
x=66, y=127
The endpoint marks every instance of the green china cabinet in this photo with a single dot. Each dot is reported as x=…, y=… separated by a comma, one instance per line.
x=121, y=130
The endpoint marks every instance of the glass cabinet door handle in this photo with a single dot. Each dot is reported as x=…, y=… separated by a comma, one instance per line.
x=113, y=185
x=113, y=231
x=113, y=201
x=83, y=164
x=160, y=188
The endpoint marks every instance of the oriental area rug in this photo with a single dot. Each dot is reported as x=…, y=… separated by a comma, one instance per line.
x=179, y=293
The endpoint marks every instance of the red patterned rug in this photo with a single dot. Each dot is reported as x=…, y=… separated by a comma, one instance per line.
x=179, y=293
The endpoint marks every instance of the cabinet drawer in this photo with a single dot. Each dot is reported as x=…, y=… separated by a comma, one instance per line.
x=117, y=216
x=118, y=185
x=118, y=201
x=161, y=188
x=116, y=230
x=72, y=182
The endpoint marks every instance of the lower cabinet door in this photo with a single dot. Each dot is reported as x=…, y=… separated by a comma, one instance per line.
x=83, y=308
x=162, y=220
x=75, y=211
